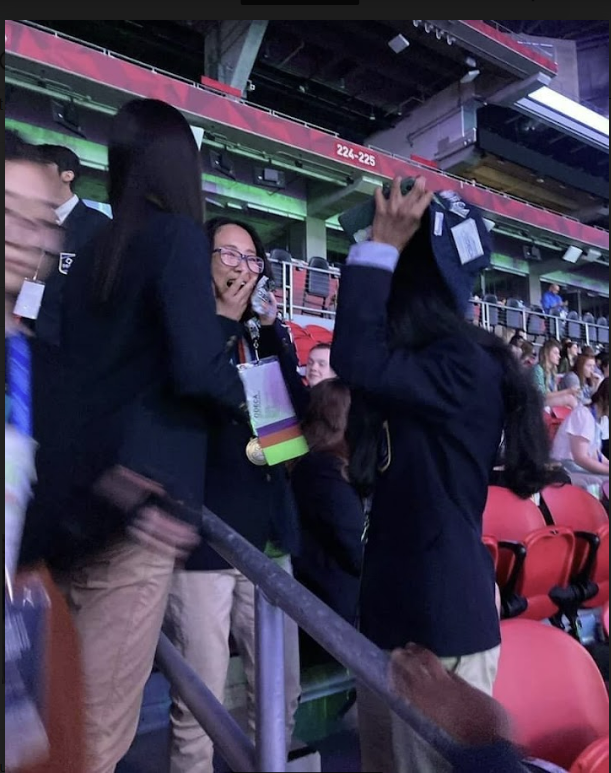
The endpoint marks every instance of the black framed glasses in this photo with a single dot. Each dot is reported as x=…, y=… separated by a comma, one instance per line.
x=232, y=259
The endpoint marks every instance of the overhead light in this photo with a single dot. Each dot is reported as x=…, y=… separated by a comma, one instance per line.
x=573, y=254
x=471, y=62
x=560, y=103
x=470, y=76
x=592, y=255
x=398, y=43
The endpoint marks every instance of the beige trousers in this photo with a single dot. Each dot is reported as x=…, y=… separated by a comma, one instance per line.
x=203, y=608
x=118, y=602
x=389, y=746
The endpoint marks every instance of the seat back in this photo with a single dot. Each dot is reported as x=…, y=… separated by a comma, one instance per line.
x=277, y=257
x=561, y=412
x=557, y=326
x=594, y=759
x=536, y=325
x=589, y=322
x=318, y=284
x=605, y=619
x=514, y=317
x=493, y=312
x=553, y=691
x=549, y=550
x=573, y=507
x=578, y=510
x=319, y=334
x=574, y=326
x=603, y=330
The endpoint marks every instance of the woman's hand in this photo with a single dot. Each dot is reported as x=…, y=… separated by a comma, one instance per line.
x=232, y=301
x=152, y=527
x=270, y=314
x=398, y=217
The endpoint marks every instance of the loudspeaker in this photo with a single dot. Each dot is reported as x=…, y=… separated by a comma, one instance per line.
x=270, y=177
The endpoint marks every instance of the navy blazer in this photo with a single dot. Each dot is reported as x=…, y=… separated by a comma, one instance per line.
x=332, y=520
x=81, y=225
x=255, y=501
x=141, y=381
x=427, y=578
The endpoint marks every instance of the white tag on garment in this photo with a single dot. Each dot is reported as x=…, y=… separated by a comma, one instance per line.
x=29, y=299
x=438, y=227
x=467, y=241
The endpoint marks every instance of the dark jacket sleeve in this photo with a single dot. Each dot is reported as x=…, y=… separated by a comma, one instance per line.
x=434, y=380
x=498, y=757
x=276, y=342
x=199, y=363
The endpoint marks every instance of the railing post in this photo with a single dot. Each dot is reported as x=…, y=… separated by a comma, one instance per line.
x=271, y=752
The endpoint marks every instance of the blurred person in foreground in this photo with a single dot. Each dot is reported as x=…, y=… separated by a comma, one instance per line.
x=478, y=724
x=146, y=366
x=447, y=392
x=31, y=242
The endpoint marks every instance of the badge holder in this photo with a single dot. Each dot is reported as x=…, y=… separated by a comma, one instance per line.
x=30, y=296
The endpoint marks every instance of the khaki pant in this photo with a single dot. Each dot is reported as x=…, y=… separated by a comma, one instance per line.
x=118, y=602
x=387, y=743
x=203, y=608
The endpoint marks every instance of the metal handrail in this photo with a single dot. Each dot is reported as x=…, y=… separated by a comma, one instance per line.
x=276, y=593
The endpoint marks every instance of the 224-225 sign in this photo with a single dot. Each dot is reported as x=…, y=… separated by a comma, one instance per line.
x=359, y=156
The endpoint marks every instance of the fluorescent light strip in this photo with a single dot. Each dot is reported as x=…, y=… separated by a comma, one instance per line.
x=570, y=108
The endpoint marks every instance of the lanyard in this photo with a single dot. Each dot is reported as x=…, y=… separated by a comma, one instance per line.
x=18, y=378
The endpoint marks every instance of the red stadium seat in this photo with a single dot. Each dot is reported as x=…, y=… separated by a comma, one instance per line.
x=594, y=759
x=574, y=508
x=535, y=560
x=553, y=691
x=320, y=334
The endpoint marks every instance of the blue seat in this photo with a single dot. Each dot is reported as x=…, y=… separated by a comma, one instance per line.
x=591, y=331
x=574, y=326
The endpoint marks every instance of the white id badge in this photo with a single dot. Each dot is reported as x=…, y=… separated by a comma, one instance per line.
x=467, y=241
x=29, y=299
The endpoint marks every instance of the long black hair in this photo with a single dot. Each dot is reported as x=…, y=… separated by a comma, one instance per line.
x=152, y=159
x=421, y=310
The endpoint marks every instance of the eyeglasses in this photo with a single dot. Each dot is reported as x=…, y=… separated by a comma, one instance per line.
x=233, y=258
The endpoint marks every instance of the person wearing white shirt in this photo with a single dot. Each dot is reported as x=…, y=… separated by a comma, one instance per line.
x=80, y=222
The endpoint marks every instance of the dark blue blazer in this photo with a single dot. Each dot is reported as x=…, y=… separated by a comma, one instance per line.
x=427, y=578
x=142, y=379
x=332, y=521
x=80, y=227
x=255, y=501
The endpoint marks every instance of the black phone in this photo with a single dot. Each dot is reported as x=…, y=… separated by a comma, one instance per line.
x=356, y=221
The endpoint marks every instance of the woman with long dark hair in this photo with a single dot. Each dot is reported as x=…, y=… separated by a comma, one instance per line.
x=447, y=391
x=146, y=367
